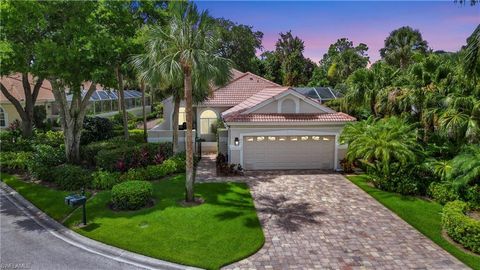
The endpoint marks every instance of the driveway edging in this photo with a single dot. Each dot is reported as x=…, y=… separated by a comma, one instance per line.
x=82, y=242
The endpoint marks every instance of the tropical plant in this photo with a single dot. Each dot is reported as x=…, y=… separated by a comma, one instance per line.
x=185, y=52
x=472, y=56
x=385, y=146
x=401, y=46
x=466, y=167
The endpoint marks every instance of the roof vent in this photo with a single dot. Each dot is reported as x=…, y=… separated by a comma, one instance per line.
x=251, y=79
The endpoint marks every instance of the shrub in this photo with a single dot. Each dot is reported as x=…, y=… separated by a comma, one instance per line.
x=71, y=177
x=442, y=192
x=12, y=142
x=44, y=159
x=14, y=161
x=473, y=196
x=402, y=182
x=88, y=152
x=158, y=171
x=179, y=160
x=126, y=157
x=105, y=180
x=96, y=129
x=138, y=174
x=131, y=195
x=461, y=227
x=52, y=138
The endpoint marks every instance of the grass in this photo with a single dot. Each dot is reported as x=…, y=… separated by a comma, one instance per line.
x=223, y=230
x=49, y=200
x=424, y=215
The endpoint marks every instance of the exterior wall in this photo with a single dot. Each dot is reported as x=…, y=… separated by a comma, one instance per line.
x=11, y=114
x=223, y=141
x=235, y=153
x=166, y=136
x=276, y=106
x=269, y=108
x=307, y=108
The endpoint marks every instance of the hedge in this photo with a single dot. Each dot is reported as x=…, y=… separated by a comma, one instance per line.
x=123, y=158
x=460, y=227
x=131, y=195
x=71, y=177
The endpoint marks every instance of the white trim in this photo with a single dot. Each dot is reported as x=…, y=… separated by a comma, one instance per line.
x=295, y=100
x=287, y=132
x=5, y=115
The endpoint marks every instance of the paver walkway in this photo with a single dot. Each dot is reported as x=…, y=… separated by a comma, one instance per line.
x=323, y=221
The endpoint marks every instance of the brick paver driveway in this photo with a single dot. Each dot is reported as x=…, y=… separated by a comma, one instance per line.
x=324, y=221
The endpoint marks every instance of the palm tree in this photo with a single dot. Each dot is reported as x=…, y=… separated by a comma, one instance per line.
x=472, y=56
x=385, y=145
x=147, y=73
x=401, y=45
x=366, y=84
x=466, y=167
x=184, y=50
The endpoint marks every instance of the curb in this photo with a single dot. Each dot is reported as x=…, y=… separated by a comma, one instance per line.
x=82, y=242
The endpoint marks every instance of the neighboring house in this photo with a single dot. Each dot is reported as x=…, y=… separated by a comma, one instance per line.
x=103, y=103
x=268, y=126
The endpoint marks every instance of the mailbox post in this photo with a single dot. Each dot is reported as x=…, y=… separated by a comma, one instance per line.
x=76, y=200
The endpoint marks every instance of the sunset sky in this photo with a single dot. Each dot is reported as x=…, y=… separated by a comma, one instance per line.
x=444, y=24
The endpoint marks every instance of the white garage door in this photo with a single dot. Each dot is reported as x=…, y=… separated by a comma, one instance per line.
x=288, y=152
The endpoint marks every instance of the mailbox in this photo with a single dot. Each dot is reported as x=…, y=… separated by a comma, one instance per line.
x=75, y=200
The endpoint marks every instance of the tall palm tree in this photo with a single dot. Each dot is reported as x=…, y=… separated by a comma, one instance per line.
x=148, y=73
x=184, y=51
x=401, y=45
x=472, y=55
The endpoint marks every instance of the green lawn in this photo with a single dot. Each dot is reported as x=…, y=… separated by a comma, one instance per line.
x=48, y=200
x=424, y=215
x=222, y=230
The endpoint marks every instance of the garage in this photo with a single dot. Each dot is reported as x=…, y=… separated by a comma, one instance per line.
x=288, y=152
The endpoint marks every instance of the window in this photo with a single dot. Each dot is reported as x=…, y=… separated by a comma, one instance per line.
x=207, y=119
x=3, y=118
x=182, y=117
x=288, y=106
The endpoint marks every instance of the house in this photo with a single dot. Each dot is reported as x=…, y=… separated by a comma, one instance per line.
x=103, y=103
x=268, y=126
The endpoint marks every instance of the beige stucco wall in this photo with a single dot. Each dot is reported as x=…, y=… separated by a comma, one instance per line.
x=11, y=114
x=234, y=152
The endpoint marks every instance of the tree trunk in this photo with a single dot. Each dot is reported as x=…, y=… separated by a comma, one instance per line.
x=71, y=116
x=144, y=113
x=72, y=135
x=176, y=109
x=27, y=126
x=189, y=196
x=26, y=114
x=121, y=95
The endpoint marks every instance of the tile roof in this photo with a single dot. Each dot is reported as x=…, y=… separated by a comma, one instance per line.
x=256, y=99
x=290, y=117
x=239, y=89
x=14, y=85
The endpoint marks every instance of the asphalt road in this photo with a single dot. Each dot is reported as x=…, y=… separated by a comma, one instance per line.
x=26, y=245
